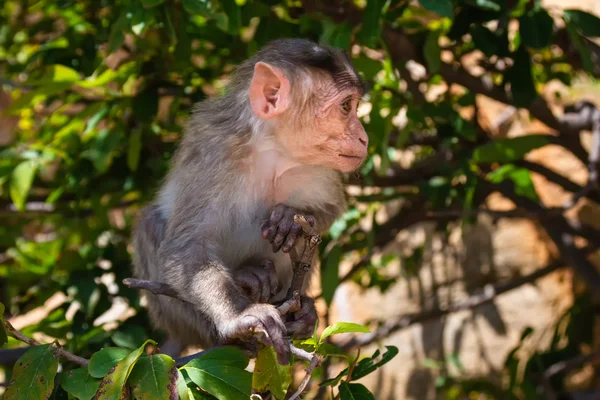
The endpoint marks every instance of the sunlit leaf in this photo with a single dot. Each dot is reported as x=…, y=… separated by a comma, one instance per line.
x=33, y=374
x=343, y=327
x=112, y=386
x=270, y=375
x=104, y=360
x=21, y=181
x=221, y=372
x=56, y=74
x=154, y=377
x=521, y=178
x=507, y=150
x=355, y=391
x=201, y=7
x=79, y=383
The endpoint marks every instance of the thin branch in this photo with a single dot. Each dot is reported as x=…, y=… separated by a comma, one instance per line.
x=487, y=294
x=574, y=363
x=32, y=342
x=315, y=361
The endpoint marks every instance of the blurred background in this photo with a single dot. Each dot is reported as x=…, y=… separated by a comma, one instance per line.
x=471, y=241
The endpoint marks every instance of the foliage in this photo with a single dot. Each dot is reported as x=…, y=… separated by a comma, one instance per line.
x=100, y=91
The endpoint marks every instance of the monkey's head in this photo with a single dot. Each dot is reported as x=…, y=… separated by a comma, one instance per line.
x=308, y=95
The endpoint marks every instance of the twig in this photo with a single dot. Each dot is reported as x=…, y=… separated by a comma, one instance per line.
x=569, y=365
x=315, y=360
x=32, y=342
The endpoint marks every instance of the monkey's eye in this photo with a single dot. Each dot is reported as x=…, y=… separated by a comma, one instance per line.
x=346, y=106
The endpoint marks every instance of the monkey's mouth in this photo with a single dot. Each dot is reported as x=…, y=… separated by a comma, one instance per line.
x=351, y=156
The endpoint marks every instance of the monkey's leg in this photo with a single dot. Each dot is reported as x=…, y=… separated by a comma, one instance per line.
x=259, y=281
x=281, y=230
x=172, y=347
x=301, y=324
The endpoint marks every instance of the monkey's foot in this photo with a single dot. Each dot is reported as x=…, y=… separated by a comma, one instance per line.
x=281, y=230
x=301, y=324
x=259, y=282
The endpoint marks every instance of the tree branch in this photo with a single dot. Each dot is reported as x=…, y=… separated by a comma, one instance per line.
x=32, y=342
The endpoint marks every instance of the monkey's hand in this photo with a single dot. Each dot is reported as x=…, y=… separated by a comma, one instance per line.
x=259, y=282
x=264, y=321
x=281, y=230
x=301, y=324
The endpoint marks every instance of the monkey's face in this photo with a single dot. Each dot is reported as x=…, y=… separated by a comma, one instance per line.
x=316, y=120
x=334, y=136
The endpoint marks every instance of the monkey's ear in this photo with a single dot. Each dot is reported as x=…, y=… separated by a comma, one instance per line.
x=269, y=91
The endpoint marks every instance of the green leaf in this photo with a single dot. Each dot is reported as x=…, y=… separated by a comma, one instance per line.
x=21, y=181
x=182, y=389
x=54, y=74
x=134, y=149
x=368, y=365
x=116, y=36
x=79, y=383
x=330, y=274
x=521, y=178
x=152, y=3
x=104, y=360
x=112, y=386
x=153, y=377
x=508, y=150
x=586, y=23
x=522, y=86
x=220, y=372
x=432, y=52
x=488, y=5
x=441, y=7
x=355, y=391
x=270, y=375
x=365, y=366
x=33, y=374
x=200, y=7
x=234, y=16
x=342, y=327
x=3, y=336
x=582, y=48
x=370, y=30
x=536, y=28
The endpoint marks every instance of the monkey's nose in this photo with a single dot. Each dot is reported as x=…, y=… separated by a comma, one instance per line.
x=363, y=141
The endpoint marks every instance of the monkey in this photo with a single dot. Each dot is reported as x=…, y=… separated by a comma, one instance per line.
x=221, y=225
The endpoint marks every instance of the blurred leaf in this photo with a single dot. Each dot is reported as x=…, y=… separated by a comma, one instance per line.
x=522, y=87
x=131, y=336
x=432, y=52
x=329, y=275
x=20, y=182
x=152, y=3
x=104, y=360
x=3, y=336
x=270, y=375
x=582, y=48
x=54, y=74
x=536, y=28
x=221, y=372
x=102, y=149
x=154, y=377
x=182, y=389
x=33, y=374
x=370, y=30
x=521, y=177
x=507, y=150
x=342, y=327
x=584, y=22
x=79, y=383
x=112, y=386
x=234, y=16
x=355, y=391
x=441, y=7
x=488, y=4
x=116, y=38
x=134, y=149
x=201, y=7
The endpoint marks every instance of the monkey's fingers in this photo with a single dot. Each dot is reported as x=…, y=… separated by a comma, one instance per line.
x=276, y=331
x=270, y=227
x=303, y=324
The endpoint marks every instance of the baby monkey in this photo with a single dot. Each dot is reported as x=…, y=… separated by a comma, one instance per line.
x=219, y=229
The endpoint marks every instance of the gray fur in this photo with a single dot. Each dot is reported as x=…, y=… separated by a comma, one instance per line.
x=205, y=222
